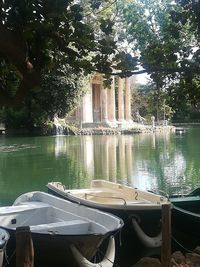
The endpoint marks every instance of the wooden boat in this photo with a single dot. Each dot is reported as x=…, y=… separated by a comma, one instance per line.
x=186, y=219
x=63, y=232
x=139, y=209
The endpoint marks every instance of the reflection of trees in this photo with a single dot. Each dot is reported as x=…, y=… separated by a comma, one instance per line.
x=152, y=161
x=147, y=161
x=154, y=155
x=31, y=169
x=172, y=164
x=191, y=152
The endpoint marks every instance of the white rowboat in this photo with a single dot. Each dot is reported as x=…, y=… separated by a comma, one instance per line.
x=141, y=209
x=58, y=228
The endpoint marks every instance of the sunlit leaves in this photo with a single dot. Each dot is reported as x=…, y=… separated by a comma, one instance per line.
x=53, y=32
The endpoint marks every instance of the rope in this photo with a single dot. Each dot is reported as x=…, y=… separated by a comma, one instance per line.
x=6, y=257
x=186, y=249
x=120, y=236
x=102, y=254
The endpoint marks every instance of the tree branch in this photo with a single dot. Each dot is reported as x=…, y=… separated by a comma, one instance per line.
x=62, y=45
x=13, y=48
x=129, y=72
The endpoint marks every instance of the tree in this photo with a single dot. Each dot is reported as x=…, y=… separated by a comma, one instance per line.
x=166, y=36
x=139, y=101
x=59, y=94
x=183, y=97
x=92, y=35
x=162, y=42
x=37, y=34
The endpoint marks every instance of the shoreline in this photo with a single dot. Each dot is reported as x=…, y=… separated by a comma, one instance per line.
x=67, y=130
x=118, y=131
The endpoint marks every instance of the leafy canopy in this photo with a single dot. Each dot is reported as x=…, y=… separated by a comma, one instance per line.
x=161, y=37
x=59, y=93
x=37, y=35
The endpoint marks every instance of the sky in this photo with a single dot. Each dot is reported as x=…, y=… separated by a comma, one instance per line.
x=142, y=78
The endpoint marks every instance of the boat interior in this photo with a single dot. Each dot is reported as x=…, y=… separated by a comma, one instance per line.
x=47, y=219
x=107, y=192
x=189, y=202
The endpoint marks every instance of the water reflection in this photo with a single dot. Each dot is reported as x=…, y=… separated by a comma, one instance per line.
x=167, y=162
x=60, y=146
x=150, y=162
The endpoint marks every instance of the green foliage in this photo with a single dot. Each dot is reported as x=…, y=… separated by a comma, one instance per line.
x=59, y=94
x=166, y=36
x=159, y=37
x=145, y=101
x=40, y=35
x=184, y=98
x=139, y=101
x=156, y=34
x=9, y=77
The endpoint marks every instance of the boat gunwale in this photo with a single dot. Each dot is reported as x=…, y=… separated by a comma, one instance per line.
x=128, y=205
x=21, y=205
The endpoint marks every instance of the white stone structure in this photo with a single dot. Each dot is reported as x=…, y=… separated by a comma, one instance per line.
x=106, y=107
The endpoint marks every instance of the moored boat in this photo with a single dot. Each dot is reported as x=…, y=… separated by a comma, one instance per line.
x=60, y=229
x=190, y=201
x=186, y=219
x=139, y=209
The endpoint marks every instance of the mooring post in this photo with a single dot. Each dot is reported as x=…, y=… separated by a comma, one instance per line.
x=24, y=247
x=166, y=236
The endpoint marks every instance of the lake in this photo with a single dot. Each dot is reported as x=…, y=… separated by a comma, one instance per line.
x=167, y=162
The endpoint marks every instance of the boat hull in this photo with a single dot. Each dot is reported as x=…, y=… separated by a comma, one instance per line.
x=185, y=228
x=186, y=220
x=56, y=226
x=55, y=250
x=188, y=203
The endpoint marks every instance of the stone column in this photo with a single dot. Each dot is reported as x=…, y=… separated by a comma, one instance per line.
x=86, y=109
x=128, y=101
x=111, y=102
x=121, y=100
x=104, y=110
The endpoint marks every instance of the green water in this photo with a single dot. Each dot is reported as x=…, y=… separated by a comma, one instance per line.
x=168, y=162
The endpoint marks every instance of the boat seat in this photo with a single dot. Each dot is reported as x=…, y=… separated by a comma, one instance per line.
x=23, y=207
x=63, y=227
x=137, y=202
